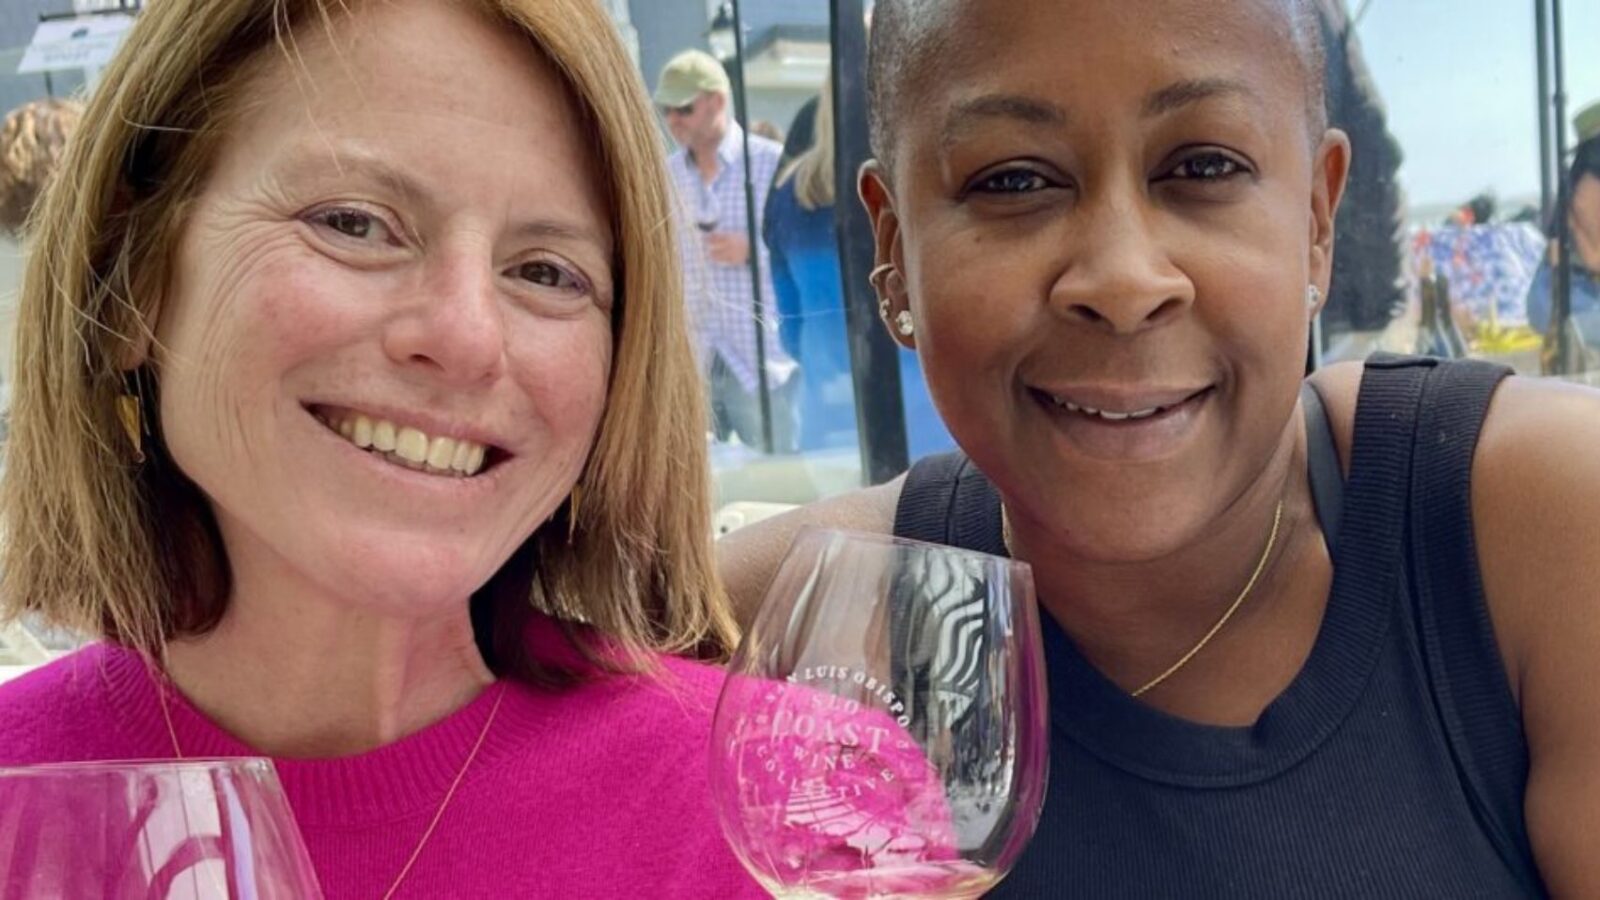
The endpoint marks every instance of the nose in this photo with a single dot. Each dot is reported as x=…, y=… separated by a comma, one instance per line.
x=1120, y=277
x=455, y=324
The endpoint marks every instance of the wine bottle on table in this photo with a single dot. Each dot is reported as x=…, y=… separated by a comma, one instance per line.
x=1431, y=337
x=1447, y=318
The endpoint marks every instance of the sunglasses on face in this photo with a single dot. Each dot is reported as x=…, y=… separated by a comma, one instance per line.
x=683, y=110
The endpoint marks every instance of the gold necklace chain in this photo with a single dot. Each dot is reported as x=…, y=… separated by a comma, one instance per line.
x=438, y=814
x=1261, y=566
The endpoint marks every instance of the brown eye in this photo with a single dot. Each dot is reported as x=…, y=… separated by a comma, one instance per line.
x=1207, y=167
x=548, y=274
x=354, y=224
x=1012, y=181
x=349, y=223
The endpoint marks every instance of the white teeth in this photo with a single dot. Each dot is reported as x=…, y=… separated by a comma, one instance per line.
x=409, y=447
x=383, y=436
x=1107, y=414
x=440, y=451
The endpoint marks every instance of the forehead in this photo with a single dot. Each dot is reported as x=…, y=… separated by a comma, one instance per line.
x=1102, y=54
x=391, y=53
x=420, y=88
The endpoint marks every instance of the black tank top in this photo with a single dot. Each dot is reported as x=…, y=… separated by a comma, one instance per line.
x=1394, y=765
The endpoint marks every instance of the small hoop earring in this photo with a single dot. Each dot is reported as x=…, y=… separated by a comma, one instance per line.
x=905, y=324
x=878, y=273
x=1313, y=295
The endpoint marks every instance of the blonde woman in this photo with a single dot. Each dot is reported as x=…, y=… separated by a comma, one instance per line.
x=799, y=231
x=341, y=361
x=32, y=139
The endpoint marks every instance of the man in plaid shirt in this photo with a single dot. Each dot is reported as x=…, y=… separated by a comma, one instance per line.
x=708, y=173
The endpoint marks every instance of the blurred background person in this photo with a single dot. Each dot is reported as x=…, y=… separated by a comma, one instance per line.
x=708, y=171
x=768, y=130
x=1367, y=288
x=1581, y=208
x=33, y=138
x=798, y=227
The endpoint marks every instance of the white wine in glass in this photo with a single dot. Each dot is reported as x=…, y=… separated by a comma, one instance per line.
x=883, y=729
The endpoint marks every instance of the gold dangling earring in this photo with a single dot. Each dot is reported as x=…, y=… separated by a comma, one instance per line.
x=572, y=513
x=132, y=418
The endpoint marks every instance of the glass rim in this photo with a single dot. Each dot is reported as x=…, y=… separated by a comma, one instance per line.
x=187, y=764
x=897, y=540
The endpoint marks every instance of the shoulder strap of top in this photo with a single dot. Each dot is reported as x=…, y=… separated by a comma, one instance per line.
x=926, y=498
x=1466, y=670
x=946, y=500
x=1322, y=461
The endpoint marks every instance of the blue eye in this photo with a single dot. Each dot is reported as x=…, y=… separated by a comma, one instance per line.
x=1207, y=167
x=1012, y=181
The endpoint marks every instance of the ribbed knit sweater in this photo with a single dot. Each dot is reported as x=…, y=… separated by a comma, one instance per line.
x=598, y=790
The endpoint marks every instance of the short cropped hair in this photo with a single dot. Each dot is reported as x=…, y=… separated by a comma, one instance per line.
x=909, y=36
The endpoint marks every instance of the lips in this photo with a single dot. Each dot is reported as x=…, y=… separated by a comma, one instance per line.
x=1119, y=404
x=1125, y=425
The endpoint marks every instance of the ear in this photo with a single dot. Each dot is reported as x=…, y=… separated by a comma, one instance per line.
x=872, y=183
x=718, y=101
x=138, y=343
x=1329, y=172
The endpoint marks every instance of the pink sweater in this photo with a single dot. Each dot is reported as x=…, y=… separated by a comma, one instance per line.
x=595, y=791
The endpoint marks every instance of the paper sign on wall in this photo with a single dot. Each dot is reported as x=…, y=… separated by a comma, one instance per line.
x=85, y=42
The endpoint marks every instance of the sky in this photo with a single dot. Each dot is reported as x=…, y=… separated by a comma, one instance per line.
x=1460, y=84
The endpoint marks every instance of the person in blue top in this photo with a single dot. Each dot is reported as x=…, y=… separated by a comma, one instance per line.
x=1325, y=638
x=1582, y=210
x=798, y=229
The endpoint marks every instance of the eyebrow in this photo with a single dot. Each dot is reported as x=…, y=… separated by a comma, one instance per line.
x=1015, y=107
x=319, y=162
x=1186, y=93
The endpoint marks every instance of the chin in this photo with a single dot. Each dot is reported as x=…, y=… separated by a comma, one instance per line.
x=407, y=579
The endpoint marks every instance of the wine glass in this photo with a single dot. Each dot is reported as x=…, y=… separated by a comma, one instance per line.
x=883, y=728
x=192, y=829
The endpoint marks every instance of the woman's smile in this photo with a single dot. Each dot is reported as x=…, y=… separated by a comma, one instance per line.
x=1126, y=425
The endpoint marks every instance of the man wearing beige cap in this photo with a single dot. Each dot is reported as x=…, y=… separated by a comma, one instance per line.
x=708, y=172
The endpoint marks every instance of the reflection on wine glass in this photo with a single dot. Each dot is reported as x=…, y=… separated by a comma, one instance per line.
x=882, y=732
x=199, y=829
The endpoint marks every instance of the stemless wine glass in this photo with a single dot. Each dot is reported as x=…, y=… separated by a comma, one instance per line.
x=882, y=731
x=194, y=829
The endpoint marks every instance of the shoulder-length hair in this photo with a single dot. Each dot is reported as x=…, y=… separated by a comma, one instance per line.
x=812, y=172
x=130, y=551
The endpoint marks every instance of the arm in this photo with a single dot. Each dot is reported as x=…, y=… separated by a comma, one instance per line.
x=748, y=558
x=1536, y=512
